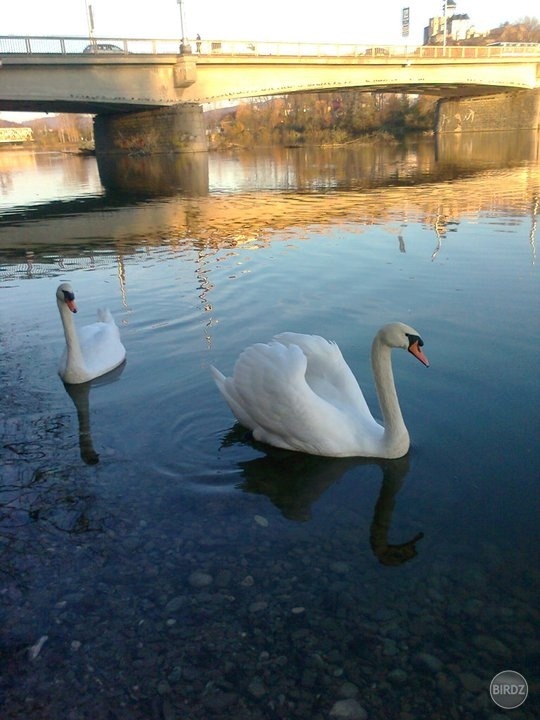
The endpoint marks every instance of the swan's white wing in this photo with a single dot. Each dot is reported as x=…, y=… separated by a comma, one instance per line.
x=101, y=346
x=227, y=388
x=257, y=371
x=269, y=394
x=327, y=372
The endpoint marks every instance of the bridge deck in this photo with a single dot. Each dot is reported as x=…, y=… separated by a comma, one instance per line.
x=108, y=75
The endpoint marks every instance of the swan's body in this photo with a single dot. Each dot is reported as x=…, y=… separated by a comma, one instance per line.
x=298, y=393
x=94, y=350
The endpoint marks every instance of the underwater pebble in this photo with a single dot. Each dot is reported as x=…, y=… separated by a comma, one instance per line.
x=349, y=709
x=258, y=606
x=491, y=644
x=174, y=604
x=34, y=650
x=398, y=676
x=348, y=690
x=471, y=682
x=199, y=579
x=428, y=661
x=257, y=688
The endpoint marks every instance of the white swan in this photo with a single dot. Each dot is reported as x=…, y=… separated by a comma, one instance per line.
x=298, y=393
x=94, y=350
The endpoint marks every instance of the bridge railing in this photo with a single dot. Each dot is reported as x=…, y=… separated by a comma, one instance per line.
x=25, y=45
x=33, y=45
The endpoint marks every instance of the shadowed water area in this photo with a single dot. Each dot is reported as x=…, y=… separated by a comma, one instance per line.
x=155, y=561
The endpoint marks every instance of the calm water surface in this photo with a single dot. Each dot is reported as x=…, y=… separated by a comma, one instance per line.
x=155, y=562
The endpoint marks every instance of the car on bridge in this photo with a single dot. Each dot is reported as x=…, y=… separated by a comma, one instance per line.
x=102, y=48
x=376, y=51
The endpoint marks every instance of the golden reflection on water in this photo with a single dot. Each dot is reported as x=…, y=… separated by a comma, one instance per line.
x=235, y=220
x=215, y=216
x=271, y=192
x=534, y=224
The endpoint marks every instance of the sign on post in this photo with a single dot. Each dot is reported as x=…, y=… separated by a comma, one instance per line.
x=405, y=22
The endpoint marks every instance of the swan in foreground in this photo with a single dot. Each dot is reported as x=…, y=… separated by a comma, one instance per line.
x=298, y=393
x=93, y=351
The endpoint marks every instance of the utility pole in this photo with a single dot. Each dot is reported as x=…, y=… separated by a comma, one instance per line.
x=90, y=20
x=184, y=47
x=445, y=24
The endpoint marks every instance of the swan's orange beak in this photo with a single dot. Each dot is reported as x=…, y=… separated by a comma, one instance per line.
x=71, y=305
x=414, y=348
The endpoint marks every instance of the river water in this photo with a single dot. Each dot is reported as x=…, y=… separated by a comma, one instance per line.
x=155, y=561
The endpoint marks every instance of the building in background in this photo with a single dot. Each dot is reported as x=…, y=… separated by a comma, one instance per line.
x=16, y=135
x=458, y=27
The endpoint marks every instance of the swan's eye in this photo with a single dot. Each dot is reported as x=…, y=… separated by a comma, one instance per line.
x=414, y=339
x=68, y=296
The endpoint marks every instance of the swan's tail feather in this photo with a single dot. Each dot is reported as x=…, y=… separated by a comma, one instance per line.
x=218, y=376
x=227, y=389
x=104, y=315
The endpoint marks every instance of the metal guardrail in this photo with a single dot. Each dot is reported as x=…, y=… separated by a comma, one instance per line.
x=34, y=45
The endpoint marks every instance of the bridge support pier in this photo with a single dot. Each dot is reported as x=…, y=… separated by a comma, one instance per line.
x=175, y=129
x=519, y=110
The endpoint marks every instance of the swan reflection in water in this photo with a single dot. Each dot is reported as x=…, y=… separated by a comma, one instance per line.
x=80, y=394
x=294, y=481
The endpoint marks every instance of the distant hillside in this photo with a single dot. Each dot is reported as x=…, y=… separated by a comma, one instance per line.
x=7, y=123
x=50, y=122
x=214, y=117
x=56, y=130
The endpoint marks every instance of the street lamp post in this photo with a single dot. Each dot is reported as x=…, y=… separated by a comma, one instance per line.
x=90, y=20
x=184, y=47
x=445, y=24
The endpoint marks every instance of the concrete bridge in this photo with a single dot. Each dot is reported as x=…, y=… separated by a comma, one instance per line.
x=148, y=97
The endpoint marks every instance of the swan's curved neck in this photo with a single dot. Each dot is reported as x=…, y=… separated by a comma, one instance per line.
x=396, y=436
x=74, y=353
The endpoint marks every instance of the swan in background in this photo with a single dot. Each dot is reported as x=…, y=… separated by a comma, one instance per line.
x=93, y=351
x=298, y=393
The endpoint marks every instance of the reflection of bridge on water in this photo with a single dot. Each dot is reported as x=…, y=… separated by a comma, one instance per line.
x=441, y=214
x=356, y=188
x=200, y=229
x=215, y=222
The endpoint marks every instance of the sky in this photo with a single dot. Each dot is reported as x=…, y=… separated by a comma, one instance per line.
x=338, y=21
